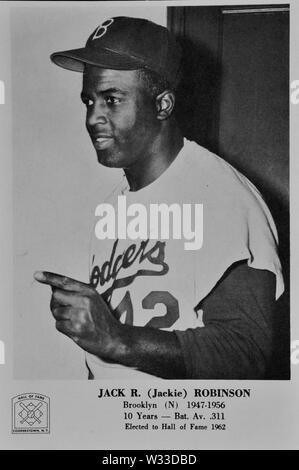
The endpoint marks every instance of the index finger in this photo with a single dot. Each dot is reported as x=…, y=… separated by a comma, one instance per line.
x=59, y=281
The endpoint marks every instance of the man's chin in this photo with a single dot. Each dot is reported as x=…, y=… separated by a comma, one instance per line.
x=109, y=159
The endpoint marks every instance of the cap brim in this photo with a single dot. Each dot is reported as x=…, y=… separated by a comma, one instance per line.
x=75, y=59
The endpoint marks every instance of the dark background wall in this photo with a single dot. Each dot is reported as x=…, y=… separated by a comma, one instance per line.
x=234, y=100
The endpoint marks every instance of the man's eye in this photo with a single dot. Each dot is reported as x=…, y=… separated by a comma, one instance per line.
x=88, y=102
x=112, y=100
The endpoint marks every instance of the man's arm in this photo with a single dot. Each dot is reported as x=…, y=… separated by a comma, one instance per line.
x=234, y=343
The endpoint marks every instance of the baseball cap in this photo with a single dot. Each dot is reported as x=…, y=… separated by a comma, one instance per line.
x=125, y=43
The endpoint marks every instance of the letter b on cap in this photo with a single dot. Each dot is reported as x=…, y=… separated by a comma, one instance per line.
x=102, y=29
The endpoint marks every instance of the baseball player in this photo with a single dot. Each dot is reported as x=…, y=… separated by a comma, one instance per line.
x=151, y=307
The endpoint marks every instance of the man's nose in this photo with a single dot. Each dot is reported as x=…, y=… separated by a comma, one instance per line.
x=96, y=115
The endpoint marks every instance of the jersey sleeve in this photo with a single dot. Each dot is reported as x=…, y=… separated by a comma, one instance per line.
x=237, y=225
x=236, y=340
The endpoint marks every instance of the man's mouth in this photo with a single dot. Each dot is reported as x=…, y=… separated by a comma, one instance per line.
x=102, y=142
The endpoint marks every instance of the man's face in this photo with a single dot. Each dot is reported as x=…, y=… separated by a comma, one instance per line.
x=120, y=117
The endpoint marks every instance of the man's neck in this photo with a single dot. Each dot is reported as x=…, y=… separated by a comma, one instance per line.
x=164, y=151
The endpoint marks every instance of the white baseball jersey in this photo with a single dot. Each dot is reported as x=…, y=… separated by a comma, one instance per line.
x=159, y=283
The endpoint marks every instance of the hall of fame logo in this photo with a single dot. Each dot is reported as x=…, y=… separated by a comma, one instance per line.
x=31, y=413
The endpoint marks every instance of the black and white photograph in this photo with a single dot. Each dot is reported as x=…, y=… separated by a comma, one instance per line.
x=149, y=149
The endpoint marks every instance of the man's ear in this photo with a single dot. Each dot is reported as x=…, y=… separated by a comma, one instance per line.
x=165, y=104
